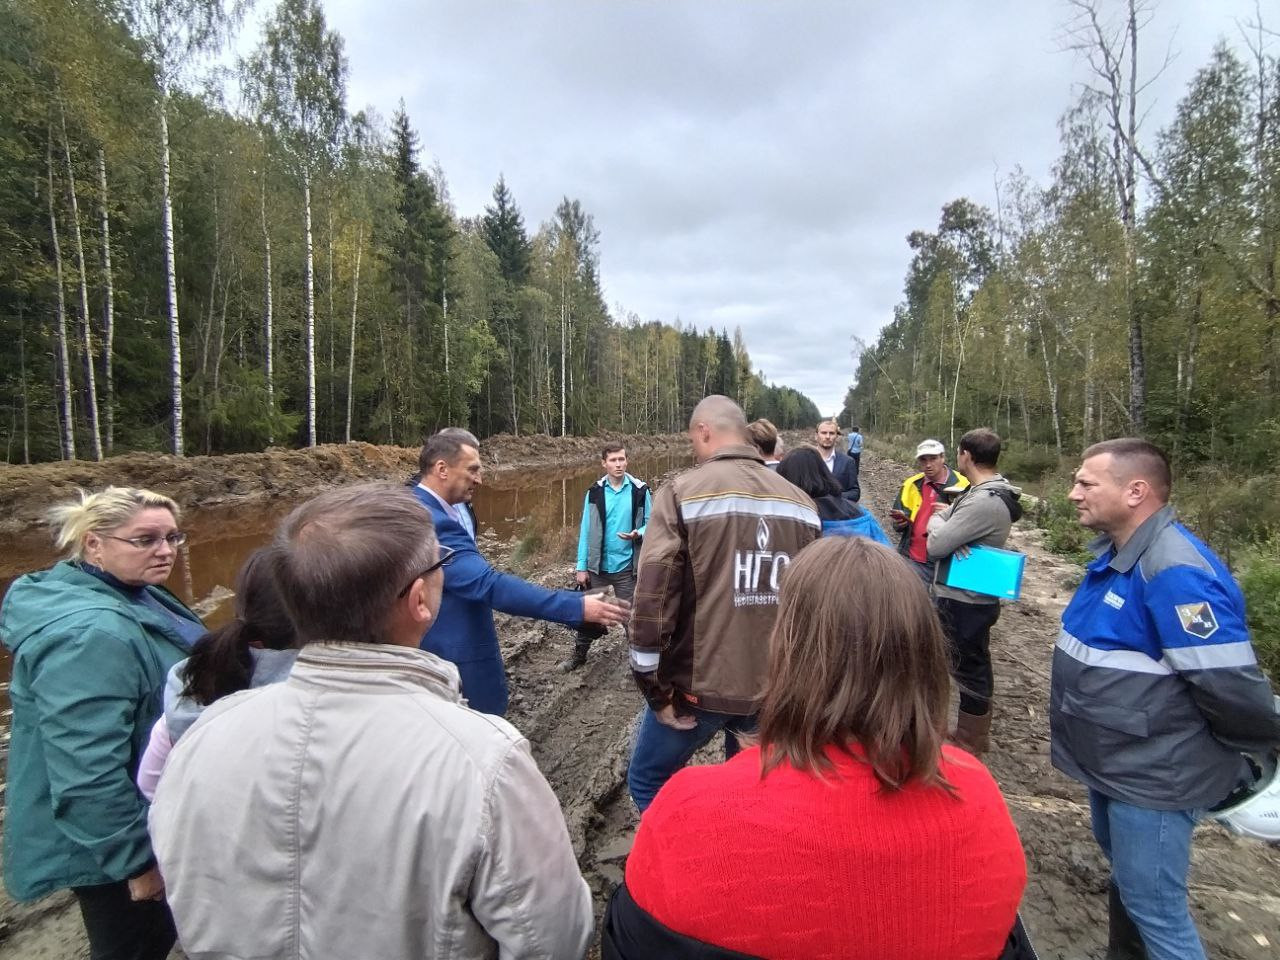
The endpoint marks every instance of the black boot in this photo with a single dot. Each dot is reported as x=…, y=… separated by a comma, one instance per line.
x=1124, y=942
x=973, y=732
x=575, y=659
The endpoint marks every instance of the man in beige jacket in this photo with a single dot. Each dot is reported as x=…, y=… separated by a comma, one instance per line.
x=359, y=809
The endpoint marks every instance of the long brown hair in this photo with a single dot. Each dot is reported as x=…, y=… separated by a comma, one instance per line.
x=857, y=657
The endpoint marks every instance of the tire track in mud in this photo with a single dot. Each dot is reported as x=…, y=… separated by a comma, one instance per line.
x=581, y=727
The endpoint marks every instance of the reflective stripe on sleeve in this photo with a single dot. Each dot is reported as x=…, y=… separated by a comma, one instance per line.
x=643, y=661
x=1211, y=656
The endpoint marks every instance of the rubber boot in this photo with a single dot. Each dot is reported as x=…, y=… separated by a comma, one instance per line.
x=973, y=732
x=575, y=659
x=1124, y=942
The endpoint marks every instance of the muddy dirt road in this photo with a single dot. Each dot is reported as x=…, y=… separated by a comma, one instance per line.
x=581, y=725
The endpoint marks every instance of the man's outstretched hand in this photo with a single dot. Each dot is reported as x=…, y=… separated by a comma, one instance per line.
x=604, y=612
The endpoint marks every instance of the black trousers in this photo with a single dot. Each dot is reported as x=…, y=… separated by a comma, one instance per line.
x=968, y=629
x=120, y=928
x=624, y=588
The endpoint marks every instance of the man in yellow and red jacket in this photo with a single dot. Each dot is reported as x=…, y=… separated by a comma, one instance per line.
x=935, y=483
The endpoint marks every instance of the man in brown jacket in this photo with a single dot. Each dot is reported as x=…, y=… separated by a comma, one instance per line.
x=718, y=540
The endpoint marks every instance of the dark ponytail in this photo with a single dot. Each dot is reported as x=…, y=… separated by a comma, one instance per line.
x=220, y=663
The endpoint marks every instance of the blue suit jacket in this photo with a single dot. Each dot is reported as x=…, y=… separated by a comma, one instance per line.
x=463, y=631
x=846, y=474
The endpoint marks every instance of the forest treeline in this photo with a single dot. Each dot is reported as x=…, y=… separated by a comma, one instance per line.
x=1135, y=292
x=179, y=272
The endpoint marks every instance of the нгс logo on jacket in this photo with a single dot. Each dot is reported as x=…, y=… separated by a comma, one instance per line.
x=749, y=570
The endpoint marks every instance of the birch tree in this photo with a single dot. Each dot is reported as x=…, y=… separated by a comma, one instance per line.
x=82, y=288
x=1111, y=50
x=297, y=81
x=60, y=321
x=175, y=34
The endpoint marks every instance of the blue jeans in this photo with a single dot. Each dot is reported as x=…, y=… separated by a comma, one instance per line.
x=1150, y=851
x=660, y=750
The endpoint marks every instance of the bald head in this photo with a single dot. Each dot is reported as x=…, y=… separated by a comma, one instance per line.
x=721, y=415
x=716, y=422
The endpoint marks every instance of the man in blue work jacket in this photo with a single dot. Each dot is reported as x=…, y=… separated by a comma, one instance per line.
x=614, y=513
x=463, y=631
x=1157, y=697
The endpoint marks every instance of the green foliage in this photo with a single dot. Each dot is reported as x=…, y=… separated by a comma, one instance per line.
x=1260, y=581
x=1228, y=510
x=788, y=409
x=433, y=319
x=1030, y=335
x=527, y=547
x=1027, y=464
x=1063, y=534
x=504, y=232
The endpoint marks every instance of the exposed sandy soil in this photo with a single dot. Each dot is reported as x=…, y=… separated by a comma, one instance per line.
x=27, y=491
x=581, y=726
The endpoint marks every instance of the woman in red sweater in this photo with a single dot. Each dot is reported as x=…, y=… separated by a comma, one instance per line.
x=852, y=830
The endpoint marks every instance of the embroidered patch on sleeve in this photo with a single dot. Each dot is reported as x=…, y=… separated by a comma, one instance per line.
x=1197, y=619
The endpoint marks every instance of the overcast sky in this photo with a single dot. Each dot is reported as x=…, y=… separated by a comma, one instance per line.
x=753, y=164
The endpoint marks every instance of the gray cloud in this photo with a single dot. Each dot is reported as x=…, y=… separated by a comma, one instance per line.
x=747, y=163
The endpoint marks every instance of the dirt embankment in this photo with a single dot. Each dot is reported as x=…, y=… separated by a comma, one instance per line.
x=197, y=482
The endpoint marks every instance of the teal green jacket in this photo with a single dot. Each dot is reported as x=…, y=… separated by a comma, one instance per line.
x=89, y=666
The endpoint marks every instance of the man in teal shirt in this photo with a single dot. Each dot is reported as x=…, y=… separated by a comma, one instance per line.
x=614, y=513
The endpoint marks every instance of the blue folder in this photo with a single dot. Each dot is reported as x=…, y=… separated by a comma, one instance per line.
x=989, y=570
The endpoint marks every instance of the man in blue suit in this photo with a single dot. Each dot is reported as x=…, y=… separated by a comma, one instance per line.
x=466, y=512
x=463, y=631
x=841, y=467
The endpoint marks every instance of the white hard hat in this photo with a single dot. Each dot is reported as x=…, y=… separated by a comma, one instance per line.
x=1258, y=814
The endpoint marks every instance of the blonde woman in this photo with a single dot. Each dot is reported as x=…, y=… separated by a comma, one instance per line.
x=92, y=639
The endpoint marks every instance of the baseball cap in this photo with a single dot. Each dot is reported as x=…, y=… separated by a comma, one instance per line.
x=930, y=448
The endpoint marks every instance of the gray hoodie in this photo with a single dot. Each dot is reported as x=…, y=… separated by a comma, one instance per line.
x=269, y=666
x=982, y=514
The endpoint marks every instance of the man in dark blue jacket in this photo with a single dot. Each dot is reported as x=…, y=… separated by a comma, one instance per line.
x=840, y=465
x=1156, y=698
x=463, y=631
